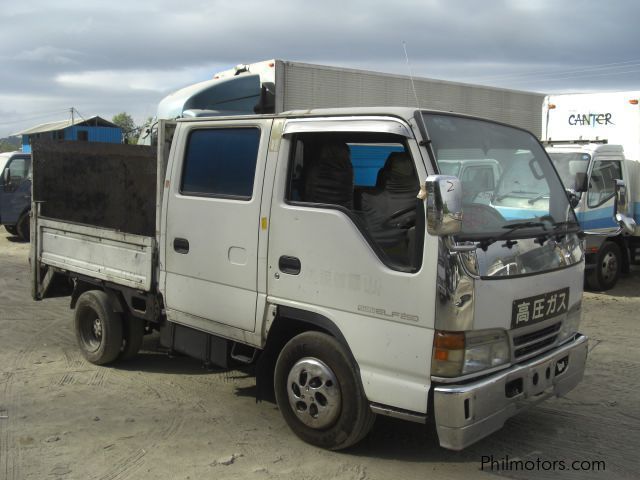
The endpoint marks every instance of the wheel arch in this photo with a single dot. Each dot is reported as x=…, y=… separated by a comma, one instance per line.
x=116, y=302
x=288, y=323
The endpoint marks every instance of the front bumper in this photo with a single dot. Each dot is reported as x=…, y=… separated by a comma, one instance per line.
x=466, y=413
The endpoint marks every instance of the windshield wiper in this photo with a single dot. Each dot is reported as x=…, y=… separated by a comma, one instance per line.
x=557, y=232
x=484, y=244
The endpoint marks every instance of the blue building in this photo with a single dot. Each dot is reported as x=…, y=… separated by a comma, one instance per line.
x=94, y=129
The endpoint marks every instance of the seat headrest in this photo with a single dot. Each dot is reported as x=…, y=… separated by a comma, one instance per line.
x=399, y=163
x=336, y=154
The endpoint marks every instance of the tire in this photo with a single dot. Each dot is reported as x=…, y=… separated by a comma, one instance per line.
x=337, y=414
x=607, y=270
x=11, y=229
x=98, y=328
x=132, y=335
x=23, y=227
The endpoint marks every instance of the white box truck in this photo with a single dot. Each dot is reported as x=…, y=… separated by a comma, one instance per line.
x=594, y=140
x=275, y=86
x=260, y=239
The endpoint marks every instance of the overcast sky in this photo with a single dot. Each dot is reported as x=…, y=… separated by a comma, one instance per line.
x=106, y=57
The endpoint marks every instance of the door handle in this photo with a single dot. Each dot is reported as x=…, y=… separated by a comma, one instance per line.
x=290, y=265
x=181, y=245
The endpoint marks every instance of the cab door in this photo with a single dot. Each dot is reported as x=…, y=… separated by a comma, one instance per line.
x=212, y=223
x=353, y=251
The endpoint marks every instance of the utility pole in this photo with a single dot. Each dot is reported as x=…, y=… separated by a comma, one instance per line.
x=72, y=120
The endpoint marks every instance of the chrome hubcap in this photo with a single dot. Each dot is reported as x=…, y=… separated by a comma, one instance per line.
x=97, y=328
x=314, y=393
x=609, y=266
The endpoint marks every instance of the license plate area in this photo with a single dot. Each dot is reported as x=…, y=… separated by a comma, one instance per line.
x=538, y=308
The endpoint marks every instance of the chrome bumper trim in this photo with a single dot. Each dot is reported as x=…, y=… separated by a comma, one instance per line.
x=395, y=413
x=466, y=413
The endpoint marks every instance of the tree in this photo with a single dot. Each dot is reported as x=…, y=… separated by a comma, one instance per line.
x=9, y=144
x=129, y=129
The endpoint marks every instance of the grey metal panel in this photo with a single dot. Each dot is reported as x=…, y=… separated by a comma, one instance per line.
x=313, y=86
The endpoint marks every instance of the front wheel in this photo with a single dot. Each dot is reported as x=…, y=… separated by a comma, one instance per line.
x=98, y=328
x=11, y=229
x=23, y=227
x=607, y=270
x=319, y=393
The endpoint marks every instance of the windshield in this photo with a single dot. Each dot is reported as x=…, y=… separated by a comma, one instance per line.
x=568, y=164
x=510, y=188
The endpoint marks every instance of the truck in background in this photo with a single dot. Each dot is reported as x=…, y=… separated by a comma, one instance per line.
x=15, y=193
x=594, y=140
x=276, y=86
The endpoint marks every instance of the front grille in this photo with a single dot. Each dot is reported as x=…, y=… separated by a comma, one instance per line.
x=531, y=342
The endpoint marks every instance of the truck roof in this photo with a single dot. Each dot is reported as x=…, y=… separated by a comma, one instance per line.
x=400, y=112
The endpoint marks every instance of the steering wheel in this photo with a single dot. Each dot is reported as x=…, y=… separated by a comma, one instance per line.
x=408, y=223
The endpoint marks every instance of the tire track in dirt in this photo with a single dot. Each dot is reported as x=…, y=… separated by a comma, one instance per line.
x=125, y=467
x=10, y=450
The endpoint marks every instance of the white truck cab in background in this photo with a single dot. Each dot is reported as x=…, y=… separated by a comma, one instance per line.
x=594, y=140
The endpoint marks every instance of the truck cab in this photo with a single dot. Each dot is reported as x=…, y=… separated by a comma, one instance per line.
x=590, y=171
x=15, y=193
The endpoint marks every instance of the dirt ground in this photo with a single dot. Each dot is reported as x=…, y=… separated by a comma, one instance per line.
x=168, y=418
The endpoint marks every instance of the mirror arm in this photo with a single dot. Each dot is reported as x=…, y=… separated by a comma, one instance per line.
x=464, y=248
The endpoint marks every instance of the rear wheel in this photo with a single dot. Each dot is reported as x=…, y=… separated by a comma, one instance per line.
x=98, y=328
x=319, y=393
x=11, y=229
x=132, y=336
x=607, y=270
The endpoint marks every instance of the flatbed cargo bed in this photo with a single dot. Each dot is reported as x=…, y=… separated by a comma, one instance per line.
x=101, y=253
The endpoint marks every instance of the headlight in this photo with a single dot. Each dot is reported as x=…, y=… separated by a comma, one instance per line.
x=461, y=353
x=570, y=324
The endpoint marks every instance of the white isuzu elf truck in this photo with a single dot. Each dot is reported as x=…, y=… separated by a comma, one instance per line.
x=358, y=287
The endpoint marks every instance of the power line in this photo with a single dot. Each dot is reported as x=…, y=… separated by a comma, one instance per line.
x=562, y=72
x=42, y=115
x=573, y=76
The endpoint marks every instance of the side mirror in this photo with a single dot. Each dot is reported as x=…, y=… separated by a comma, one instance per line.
x=627, y=224
x=574, y=197
x=6, y=176
x=444, y=205
x=580, y=182
x=620, y=203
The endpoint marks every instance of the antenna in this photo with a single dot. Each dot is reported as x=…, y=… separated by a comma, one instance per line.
x=426, y=141
x=413, y=86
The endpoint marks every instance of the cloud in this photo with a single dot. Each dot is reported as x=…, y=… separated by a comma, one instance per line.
x=49, y=54
x=106, y=57
x=129, y=80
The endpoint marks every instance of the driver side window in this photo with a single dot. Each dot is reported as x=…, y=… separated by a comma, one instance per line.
x=602, y=184
x=372, y=179
x=18, y=169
